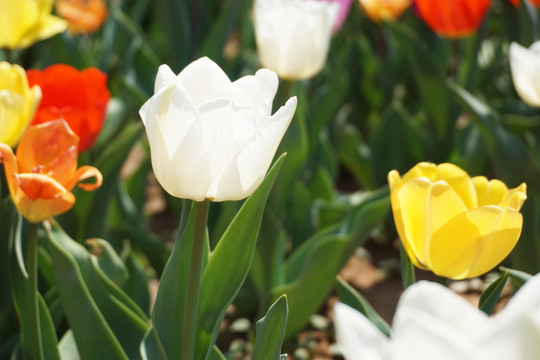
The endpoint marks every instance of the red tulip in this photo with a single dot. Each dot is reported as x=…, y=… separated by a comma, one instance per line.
x=516, y=3
x=40, y=177
x=453, y=18
x=79, y=97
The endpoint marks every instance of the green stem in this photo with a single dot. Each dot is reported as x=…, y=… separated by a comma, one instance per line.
x=191, y=307
x=33, y=311
x=442, y=280
x=7, y=52
x=533, y=16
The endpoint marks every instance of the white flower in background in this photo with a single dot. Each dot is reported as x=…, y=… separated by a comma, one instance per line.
x=432, y=322
x=210, y=137
x=525, y=68
x=293, y=36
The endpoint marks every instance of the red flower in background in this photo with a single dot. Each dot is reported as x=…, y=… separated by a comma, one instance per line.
x=453, y=18
x=79, y=97
x=516, y=3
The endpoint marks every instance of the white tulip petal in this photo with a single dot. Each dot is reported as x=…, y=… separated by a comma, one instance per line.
x=358, y=338
x=256, y=92
x=525, y=69
x=204, y=80
x=437, y=304
x=164, y=78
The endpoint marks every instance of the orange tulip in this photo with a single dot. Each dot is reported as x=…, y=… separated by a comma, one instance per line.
x=384, y=10
x=453, y=18
x=41, y=176
x=83, y=16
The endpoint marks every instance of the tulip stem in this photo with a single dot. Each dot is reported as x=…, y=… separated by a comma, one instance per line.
x=33, y=310
x=7, y=52
x=191, y=307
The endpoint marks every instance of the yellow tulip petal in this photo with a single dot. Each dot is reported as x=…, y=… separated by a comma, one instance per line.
x=489, y=192
x=423, y=169
x=49, y=26
x=515, y=197
x=474, y=242
x=395, y=183
x=425, y=207
x=460, y=181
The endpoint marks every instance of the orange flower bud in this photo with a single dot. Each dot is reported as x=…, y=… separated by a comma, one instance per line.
x=83, y=16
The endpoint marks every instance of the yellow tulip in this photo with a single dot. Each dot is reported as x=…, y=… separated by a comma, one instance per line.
x=454, y=225
x=18, y=102
x=26, y=21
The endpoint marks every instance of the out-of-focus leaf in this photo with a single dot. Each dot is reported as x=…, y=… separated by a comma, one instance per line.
x=223, y=277
x=307, y=291
x=407, y=268
x=270, y=331
x=349, y=296
x=216, y=354
x=510, y=157
x=431, y=85
x=491, y=295
x=356, y=156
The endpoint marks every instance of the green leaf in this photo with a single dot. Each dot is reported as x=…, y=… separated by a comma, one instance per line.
x=491, y=295
x=19, y=285
x=407, y=268
x=92, y=301
x=309, y=289
x=519, y=277
x=229, y=264
x=349, y=296
x=270, y=331
x=109, y=261
x=216, y=354
x=168, y=313
x=151, y=349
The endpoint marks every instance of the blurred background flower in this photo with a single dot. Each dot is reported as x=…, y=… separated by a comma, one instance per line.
x=211, y=138
x=26, y=21
x=293, y=36
x=83, y=16
x=453, y=18
x=79, y=97
x=40, y=177
x=455, y=225
x=518, y=2
x=525, y=68
x=432, y=322
x=18, y=102
x=384, y=10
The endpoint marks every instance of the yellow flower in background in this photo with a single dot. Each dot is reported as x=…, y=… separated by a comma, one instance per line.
x=18, y=102
x=384, y=10
x=454, y=225
x=23, y=22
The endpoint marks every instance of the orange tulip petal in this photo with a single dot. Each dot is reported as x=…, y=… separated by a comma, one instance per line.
x=39, y=197
x=86, y=172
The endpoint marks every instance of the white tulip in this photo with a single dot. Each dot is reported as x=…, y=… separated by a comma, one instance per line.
x=525, y=69
x=211, y=138
x=432, y=322
x=293, y=36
